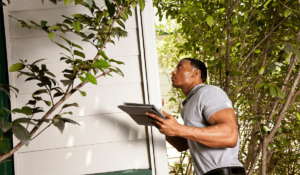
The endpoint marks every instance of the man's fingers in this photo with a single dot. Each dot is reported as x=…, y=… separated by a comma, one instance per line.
x=167, y=115
x=154, y=117
x=156, y=124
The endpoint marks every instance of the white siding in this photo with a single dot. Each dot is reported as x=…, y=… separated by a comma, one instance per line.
x=107, y=140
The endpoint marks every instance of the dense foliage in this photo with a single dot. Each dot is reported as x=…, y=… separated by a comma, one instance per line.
x=251, y=48
x=96, y=28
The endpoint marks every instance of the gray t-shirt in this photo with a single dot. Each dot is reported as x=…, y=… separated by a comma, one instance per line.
x=199, y=105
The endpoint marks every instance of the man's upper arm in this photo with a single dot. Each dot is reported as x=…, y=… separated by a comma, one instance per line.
x=226, y=120
x=213, y=100
x=217, y=109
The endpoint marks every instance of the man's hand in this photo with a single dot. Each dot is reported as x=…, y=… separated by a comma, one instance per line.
x=168, y=126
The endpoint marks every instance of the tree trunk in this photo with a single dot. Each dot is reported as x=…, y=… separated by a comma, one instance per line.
x=264, y=156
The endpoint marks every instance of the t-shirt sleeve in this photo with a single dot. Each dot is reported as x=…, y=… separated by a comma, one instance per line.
x=213, y=100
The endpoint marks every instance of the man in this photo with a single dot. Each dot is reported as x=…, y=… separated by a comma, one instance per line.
x=210, y=129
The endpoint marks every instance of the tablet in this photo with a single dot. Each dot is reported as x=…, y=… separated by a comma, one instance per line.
x=138, y=112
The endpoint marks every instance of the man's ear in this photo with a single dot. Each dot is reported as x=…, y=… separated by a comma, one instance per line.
x=196, y=73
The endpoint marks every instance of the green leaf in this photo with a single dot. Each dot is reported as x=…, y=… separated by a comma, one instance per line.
x=261, y=70
x=5, y=145
x=48, y=103
x=79, y=61
x=298, y=116
x=66, y=82
x=37, y=61
x=287, y=12
x=210, y=20
x=267, y=3
x=16, y=67
x=110, y=7
x=75, y=45
x=90, y=3
x=40, y=91
x=124, y=16
x=68, y=105
x=70, y=121
x=296, y=51
x=91, y=78
x=82, y=79
x=134, y=5
x=68, y=41
x=259, y=86
x=102, y=53
x=43, y=23
x=120, y=72
x=257, y=51
x=21, y=133
x=285, y=143
x=273, y=91
x=63, y=47
x=266, y=129
x=22, y=111
x=279, y=130
x=7, y=135
x=4, y=126
x=280, y=94
x=117, y=70
x=51, y=35
x=24, y=120
x=266, y=85
x=71, y=113
x=82, y=93
x=120, y=23
x=271, y=67
x=49, y=73
x=59, y=123
x=54, y=27
x=115, y=61
x=288, y=48
x=67, y=2
x=101, y=64
x=78, y=16
x=1, y=114
x=141, y=4
x=76, y=25
x=78, y=53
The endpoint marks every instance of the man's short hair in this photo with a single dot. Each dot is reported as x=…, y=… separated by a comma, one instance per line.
x=199, y=65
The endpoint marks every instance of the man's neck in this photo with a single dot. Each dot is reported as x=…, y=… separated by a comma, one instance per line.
x=187, y=89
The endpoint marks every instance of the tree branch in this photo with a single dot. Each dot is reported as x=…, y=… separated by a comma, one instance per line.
x=260, y=43
x=284, y=108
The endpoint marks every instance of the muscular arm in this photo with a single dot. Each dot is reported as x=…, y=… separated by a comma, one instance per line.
x=221, y=134
x=178, y=142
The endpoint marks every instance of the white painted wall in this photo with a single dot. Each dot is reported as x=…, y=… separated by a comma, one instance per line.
x=107, y=140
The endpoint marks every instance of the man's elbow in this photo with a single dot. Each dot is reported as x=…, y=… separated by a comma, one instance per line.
x=232, y=142
x=182, y=147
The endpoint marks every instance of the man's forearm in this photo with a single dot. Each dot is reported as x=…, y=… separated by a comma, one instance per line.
x=216, y=136
x=179, y=143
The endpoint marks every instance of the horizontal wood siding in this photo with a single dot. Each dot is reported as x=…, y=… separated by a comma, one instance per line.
x=108, y=140
x=86, y=159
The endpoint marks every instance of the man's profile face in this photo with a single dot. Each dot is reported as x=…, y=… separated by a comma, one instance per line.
x=182, y=74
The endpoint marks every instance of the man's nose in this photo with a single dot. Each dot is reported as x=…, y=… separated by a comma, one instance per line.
x=173, y=72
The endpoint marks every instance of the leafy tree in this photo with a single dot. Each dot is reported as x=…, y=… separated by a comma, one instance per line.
x=251, y=49
x=100, y=31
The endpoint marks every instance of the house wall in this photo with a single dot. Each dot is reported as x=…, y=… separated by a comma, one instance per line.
x=6, y=167
x=107, y=140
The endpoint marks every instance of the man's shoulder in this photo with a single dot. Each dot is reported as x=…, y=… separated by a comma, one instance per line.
x=210, y=88
x=211, y=91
